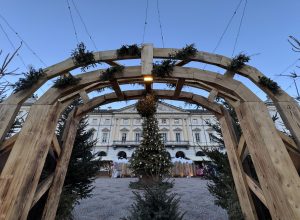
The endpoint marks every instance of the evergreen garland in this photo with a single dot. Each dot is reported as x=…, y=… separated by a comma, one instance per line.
x=65, y=81
x=82, y=57
x=31, y=78
x=129, y=50
x=238, y=62
x=171, y=85
x=185, y=53
x=164, y=68
x=109, y=73
x=155, y=203
x=270, y=84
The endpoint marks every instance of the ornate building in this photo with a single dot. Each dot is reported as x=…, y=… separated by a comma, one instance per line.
x=184, y=131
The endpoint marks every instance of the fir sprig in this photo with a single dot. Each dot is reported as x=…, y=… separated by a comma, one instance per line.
x=238, y=62
x=82, y=57
x=164, y=68
x=110, y=72
x=65, y=81
x=270, y=84
x=31, y=78
x=185, y=53
x=129, y=50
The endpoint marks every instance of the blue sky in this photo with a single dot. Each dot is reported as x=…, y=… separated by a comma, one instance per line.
x=46, y=27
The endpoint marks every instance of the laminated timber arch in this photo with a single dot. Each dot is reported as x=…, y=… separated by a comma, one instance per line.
x=278, y=186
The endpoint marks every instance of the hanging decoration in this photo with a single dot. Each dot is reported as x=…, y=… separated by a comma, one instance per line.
x=31, y=78
x=83, y=58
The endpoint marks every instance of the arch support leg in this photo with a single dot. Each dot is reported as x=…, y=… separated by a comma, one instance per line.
x=277, y=175
x=55, y=190
x=242, y=188
x=21, y=173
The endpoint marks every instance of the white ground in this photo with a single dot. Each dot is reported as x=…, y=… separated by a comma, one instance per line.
x=112, y=198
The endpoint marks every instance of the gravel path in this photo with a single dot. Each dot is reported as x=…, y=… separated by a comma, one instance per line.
x=112, y=199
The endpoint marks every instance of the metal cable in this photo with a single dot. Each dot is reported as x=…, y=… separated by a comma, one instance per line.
x=239, y=29
x=73, y=24
x=22, y=40
x=85, y=27
x=160, y=26
x=146, y=18
x=13, y=46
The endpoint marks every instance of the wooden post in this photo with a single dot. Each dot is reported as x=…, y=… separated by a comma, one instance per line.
x=147, y=59
x=236, y=166
x=52, y=202
x=277, y=175
x=21, y=173
x=290, y=114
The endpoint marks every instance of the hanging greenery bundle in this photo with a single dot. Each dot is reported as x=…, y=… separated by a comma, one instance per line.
x=110, y=72
x=65, y=81
x=270, y=84
x=164, y=68
x=146, y=106
x=238, y=62
x=30, y=79
x=82, y=57
x=171, y=85
x=129, y=50
x=185, y=53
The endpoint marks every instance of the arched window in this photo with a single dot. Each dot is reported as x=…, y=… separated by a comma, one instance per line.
x=102, y=154
x=179, y=154
x=122, y=155
x=200, y=154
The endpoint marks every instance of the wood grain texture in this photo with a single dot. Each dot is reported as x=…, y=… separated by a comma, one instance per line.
x=277, y=175
x=51, y=205
x=236, y=166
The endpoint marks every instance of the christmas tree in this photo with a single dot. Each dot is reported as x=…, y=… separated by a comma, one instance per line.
x=151, y=161
x=155, y=203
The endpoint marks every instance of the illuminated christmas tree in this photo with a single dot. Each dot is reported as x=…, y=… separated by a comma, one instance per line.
x=150, y=161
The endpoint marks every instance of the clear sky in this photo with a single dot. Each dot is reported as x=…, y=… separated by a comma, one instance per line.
x=47, y=28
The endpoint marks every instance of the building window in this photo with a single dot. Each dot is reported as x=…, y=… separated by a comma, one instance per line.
x=177, y=135
x=104, y=137
x=122, y=155
x=211, y=137
x=125, y=121
x=94, y=121
x=179, y=154
x=124, y=135
x=176, y=121
x=195, y=121
x=164, y=121
x=138, y=121
x=197, y=137
x=164, y=137
x=102, y=154
x=107, y=121
x=137, y=137
x=200, y=154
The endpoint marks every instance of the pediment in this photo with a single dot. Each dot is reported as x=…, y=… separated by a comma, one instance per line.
x=124, y=130
x=161, y=108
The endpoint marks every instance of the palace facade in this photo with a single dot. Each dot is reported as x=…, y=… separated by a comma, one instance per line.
x=184, y=131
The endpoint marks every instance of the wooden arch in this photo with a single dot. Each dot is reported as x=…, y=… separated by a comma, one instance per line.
x=278, y=186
